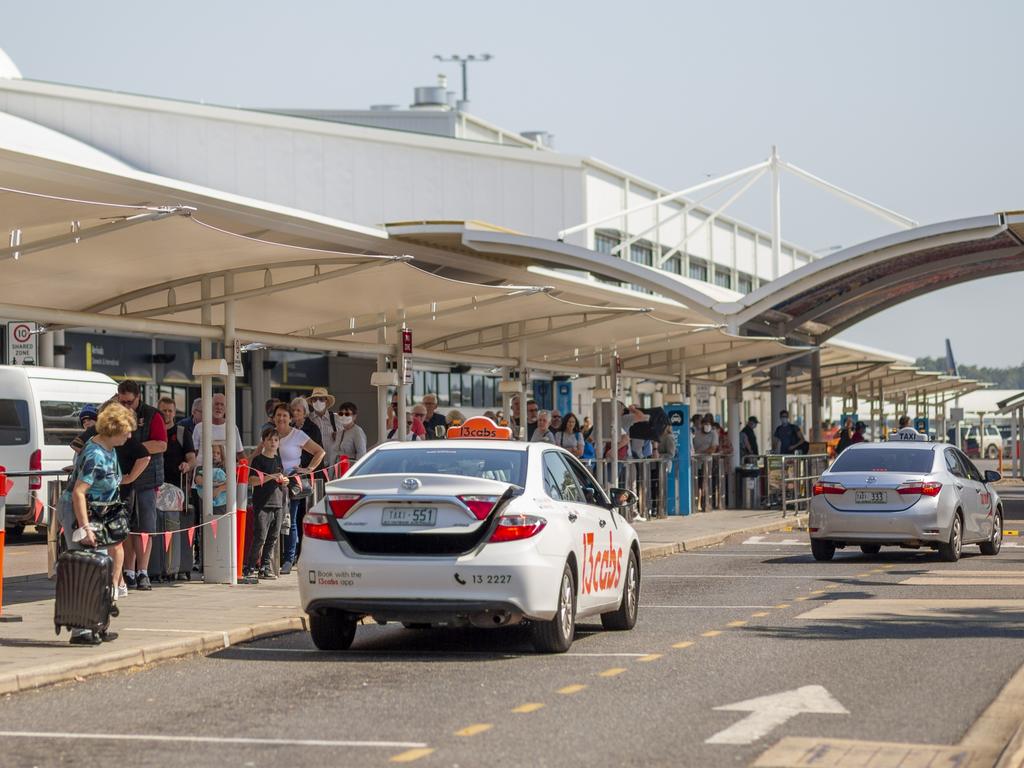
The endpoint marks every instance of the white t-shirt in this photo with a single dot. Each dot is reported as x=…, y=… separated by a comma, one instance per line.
x=219, y=436
x=290, y=449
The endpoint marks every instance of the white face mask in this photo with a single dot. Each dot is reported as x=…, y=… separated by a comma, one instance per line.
x=319, y=406
x=706, y=427
x=345, y=420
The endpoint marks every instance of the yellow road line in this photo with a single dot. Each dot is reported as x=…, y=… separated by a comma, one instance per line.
x=711, y=633
x=801, y=599
x=411, y=754
x=759, y=615
x=473, y=730
x=862, y=575
x=830, y=587
x=816, y=592
x=525, y=709
x=650, y=657
x=612, y=672
x=571, y=689
x=736, y=624
x=782, y=605
x=684, y=644
x=889, y=566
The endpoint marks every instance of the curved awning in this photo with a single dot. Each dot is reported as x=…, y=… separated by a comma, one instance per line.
x=832, y=294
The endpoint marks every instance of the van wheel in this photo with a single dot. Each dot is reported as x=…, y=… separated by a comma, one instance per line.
x=950, y=551
x=992, y=452
x=870, y=549
x=823, y=550
x=555, y=636
x=332, y=630
x=995, y=543
x=625, y=616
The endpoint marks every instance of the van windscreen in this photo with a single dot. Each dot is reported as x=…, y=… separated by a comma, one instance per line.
x=14, y=423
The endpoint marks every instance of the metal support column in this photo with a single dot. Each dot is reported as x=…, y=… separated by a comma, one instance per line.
x=616, y=407
x=816, y=397
x=211, y=569
x=382, y=391
x=735, y=400
x=776, y=217
x=524, y=378
x=229, y=537
x=779, y=397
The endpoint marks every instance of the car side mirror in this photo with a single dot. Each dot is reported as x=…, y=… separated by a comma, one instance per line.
x=991, y=476
x=624, y=501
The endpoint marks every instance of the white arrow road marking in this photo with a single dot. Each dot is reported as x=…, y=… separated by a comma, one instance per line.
x=769, y=712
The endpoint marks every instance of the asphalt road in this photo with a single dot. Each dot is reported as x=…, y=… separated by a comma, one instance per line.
x=752, y=618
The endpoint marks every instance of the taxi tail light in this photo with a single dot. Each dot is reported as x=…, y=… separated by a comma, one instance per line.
x=915, y=488
x=315, y=526
x=517, y=527
x=827, y=489
x=480, y=506
x=35, y=464
x=341, y=503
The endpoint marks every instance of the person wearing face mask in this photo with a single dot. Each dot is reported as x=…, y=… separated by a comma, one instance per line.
x=321, y=403
x=705, y=441
x=353, y=438
x=787, y=435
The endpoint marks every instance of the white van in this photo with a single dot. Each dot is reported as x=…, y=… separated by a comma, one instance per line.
x=38, y=419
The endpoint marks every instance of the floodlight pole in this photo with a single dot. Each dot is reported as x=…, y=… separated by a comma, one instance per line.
x=462, y=61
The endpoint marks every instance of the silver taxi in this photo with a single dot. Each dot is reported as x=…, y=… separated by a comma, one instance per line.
x=906, y=492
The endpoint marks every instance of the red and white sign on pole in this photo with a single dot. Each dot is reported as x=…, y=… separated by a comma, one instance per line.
x=407, y=356
x=21, y=344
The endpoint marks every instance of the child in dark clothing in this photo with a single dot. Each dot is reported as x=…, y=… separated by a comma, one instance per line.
x=266, y=475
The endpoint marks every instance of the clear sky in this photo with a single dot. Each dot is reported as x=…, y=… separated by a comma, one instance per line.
x=911, y=104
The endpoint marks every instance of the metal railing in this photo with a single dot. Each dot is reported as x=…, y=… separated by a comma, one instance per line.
x=648, y=478
x=710, y=473
x=787, y=481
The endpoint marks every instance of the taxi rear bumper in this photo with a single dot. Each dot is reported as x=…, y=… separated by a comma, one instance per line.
x=478, y=613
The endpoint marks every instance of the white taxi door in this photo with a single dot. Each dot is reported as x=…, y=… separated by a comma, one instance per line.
x=584, y=524
x=606, y=560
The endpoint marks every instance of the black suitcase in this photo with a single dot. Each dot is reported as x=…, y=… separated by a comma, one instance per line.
x=85, y=597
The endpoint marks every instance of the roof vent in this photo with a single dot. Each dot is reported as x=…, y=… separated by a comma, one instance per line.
x=432, y=96
x=543, y=138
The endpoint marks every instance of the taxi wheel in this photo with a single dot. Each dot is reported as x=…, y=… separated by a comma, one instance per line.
x=332, y=630
x=823, y=550
x=555, y=636
x=994, y=544
x=950, y=551
x=625, y=616
x=870, y=549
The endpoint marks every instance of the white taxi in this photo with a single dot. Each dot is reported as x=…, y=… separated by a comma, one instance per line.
x=476, y=530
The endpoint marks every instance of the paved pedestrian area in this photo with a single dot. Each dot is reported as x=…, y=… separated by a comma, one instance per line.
x=183, y=618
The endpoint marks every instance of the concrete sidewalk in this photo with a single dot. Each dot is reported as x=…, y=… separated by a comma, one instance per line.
x=184, y=618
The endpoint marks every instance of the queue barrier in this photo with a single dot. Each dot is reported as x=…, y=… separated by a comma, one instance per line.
x=786, y=482
x=710, y=474
x=656, y=482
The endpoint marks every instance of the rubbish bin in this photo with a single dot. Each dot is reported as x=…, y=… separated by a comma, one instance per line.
x=747, y=479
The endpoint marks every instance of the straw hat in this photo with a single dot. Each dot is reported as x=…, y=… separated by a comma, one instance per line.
x=322, y=392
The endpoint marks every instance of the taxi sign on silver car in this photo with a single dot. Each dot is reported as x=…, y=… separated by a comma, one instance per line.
x=908, y=433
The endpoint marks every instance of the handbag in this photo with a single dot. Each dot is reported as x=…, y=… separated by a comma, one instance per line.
x=109, y=521
x=300, y=486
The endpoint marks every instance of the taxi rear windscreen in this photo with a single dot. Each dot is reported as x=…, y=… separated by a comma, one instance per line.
x=884, y=460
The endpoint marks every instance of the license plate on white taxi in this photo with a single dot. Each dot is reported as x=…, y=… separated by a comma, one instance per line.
x=425, y=516
x=872, y=497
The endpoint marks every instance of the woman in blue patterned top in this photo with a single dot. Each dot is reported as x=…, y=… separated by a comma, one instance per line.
x=98, y=477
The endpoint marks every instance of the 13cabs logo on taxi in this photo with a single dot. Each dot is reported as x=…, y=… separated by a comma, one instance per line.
x=602, y=569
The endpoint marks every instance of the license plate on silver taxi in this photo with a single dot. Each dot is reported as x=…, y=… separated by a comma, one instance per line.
x=424, y=516
x=872, y=497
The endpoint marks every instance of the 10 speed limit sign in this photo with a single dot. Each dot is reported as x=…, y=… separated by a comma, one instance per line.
x=21, y=344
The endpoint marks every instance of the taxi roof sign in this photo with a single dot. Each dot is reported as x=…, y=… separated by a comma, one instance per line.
x=908, y=433
x=479, y=428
